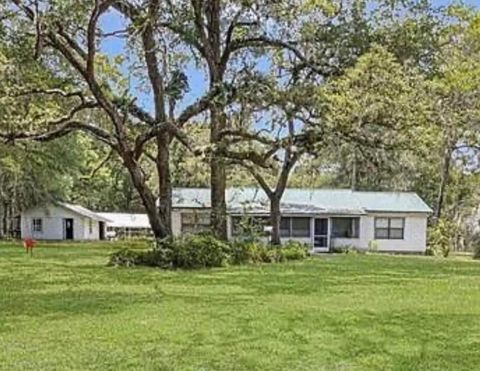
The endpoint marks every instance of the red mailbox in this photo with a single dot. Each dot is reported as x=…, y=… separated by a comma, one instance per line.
x=29, y=244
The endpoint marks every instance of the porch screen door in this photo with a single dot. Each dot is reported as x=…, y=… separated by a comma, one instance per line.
x=320, y=238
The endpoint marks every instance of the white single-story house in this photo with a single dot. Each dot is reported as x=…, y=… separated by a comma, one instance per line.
x=124, y=224
x=321, y=218
x=62, y=221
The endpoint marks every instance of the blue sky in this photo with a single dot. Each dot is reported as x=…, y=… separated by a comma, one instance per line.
x=198, y=84
x=468, y=2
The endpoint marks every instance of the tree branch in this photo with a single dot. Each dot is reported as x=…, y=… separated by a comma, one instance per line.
x=257, y=176
x=134, y=110
x=264, y=41
x=200, y=25
x=249, y=156
x=149, y=51
x=100, y=7
x=99, y=166
x=60, y=92
x=60, y=132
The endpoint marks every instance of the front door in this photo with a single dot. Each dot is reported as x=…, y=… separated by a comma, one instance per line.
x=68, y=229
x=320, y=238
x=101, y=230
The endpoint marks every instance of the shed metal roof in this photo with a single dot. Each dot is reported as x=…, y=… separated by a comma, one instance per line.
x=83, y=211
x=306, y=201
x=125, y=220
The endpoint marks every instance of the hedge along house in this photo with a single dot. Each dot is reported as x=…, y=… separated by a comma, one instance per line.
x=62, y=221
x=323, y=219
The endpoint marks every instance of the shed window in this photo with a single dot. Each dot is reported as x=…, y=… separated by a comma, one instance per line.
x=345, y=227
x=295, y=227
x=389, y=228
x=37, y=225
x=90, y=226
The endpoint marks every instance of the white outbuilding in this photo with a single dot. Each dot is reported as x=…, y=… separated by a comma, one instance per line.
x=62, y=221
x=127, y=225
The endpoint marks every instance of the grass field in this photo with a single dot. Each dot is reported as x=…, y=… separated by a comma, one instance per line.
x=64, y=309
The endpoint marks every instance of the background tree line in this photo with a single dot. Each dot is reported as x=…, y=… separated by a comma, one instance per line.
x=111, y=103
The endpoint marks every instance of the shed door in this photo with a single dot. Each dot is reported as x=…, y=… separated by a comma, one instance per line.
x=101, y=230
x=68, y=223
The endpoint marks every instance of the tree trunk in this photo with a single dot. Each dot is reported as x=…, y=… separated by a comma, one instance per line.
x=148, y=198
x=13, y=220
x=3, y=232
x=7, y=221
x=353, y=183
x=164, y=180
x=211, y=35
x=218, y=177
x=443, y=183
x=275, y=217
x=6, y=218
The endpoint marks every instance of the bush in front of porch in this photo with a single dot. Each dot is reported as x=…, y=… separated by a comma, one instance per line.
x=205, y=251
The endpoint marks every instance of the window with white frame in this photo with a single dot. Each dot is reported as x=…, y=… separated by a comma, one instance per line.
x=195, y=222
x=294, y=227
x=389, y=228
x=37, y=225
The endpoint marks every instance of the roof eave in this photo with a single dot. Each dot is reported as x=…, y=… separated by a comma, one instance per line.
x=93, y=215
x=400, y=211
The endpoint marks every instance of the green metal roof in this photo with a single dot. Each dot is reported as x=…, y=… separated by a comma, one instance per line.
x=306, y=201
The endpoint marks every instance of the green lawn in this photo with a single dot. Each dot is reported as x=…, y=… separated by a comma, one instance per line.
x=64, y=309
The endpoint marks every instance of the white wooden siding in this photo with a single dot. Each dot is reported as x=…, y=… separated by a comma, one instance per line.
x=415, y=233
x=53, y=224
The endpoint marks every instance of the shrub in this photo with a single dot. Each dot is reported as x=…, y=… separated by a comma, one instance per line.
x=198, y=251
x=372, y=246
x=249, y=229
x=125, y=257
x=347, y=249
x=429, y=252
x=248, y=252
x=158, y=257
x=293, y=250
x=476, y=246
x=476, y=252
x=205, y=251
x=243, y=252
x=344, y=249
x=440, y=237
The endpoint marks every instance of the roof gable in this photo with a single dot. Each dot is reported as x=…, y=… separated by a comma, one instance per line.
x=80, y=210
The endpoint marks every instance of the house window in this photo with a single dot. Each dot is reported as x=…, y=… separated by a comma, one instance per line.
x=249, y=225
x=345, y=227
x=295, y=227
x=300, y=227
x=90, y=226
x=285, y=227
x=195, y=222
x=37, y=225
x=389, y=228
